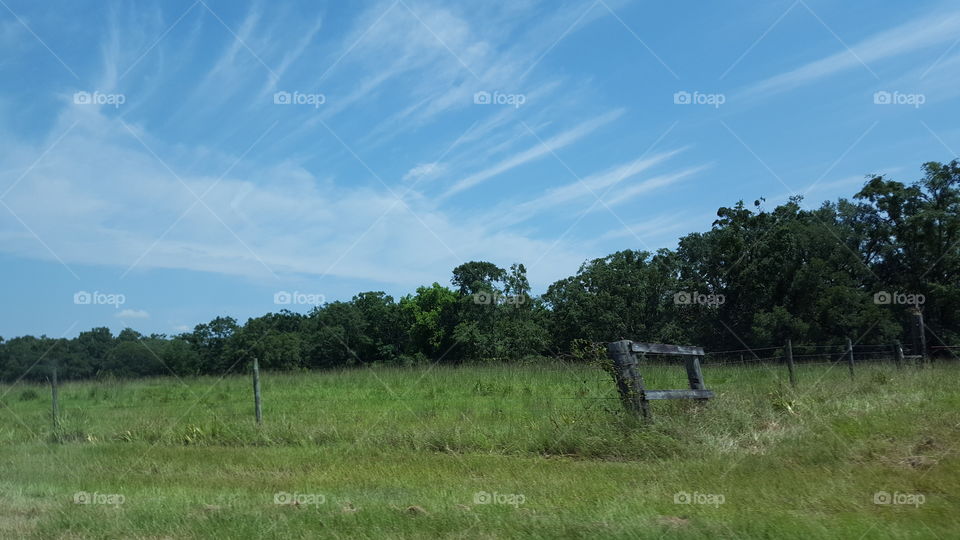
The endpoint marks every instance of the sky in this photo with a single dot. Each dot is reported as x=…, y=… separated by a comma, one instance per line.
x=165, y=163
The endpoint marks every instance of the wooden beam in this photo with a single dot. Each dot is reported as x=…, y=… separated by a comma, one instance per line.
x=660, y=348
x=679, y=394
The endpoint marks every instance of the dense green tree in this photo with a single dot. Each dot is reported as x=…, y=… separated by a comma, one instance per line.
x=430, y=317
x=623, y=295
x=477, y=277
x=210, y=341
x=275, y=339
x=333, y=335
x=754, y=279
x=383, y=325
x=914, y=239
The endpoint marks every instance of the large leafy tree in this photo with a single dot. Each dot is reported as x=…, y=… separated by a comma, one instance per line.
x=430, y=317
x=274, y=340
x=783, y=273
x=914, y=238
x=477, y=277
x=626, y=295
x=498, y=318
x=211, y=343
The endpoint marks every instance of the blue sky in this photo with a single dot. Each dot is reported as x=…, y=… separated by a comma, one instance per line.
x=184, y=160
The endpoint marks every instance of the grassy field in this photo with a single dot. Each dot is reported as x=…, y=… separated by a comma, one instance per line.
x=539, y=450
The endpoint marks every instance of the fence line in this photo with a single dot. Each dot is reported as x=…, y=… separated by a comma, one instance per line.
x=590, y=384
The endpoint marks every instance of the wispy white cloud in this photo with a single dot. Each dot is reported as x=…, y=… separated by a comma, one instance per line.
x=291, y=56
x=279, y=217
x=132, y=314
x=816, y=192
x=658, y=227
x=909, y=37
x=651, y=184
x=584, y=191
x=109, y=201
x=453, y=57
x=538, y=150
x=423, y=171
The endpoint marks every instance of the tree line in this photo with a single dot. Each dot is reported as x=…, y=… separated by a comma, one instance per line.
x=849, y=268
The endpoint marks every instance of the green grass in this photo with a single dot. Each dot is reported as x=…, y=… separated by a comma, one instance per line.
x=403, y=453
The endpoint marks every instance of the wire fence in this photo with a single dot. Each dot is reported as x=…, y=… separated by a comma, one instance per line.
x=556, y=386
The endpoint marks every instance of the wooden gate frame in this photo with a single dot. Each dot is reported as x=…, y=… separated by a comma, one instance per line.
x=634, y=396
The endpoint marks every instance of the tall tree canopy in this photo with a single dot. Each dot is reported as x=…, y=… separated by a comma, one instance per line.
x=756, y=278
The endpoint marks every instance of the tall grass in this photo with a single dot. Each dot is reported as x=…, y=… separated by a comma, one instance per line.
x=401, y=451
x=545, y=408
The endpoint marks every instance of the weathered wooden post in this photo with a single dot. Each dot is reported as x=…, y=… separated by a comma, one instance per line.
x=628, y=378
x=790, y=366
x=694, y=375
x=55, y=399
x=918, y=336
x=898, y=354
x=256, y=390
x=850, y=356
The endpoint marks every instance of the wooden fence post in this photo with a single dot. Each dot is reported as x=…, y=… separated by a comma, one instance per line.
x=790, y=366
x=256, y=390
x=694, y=375
x=850, y=356
x=898, y=354
x=628, y=378
x=55, y=400
x=918, y=335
